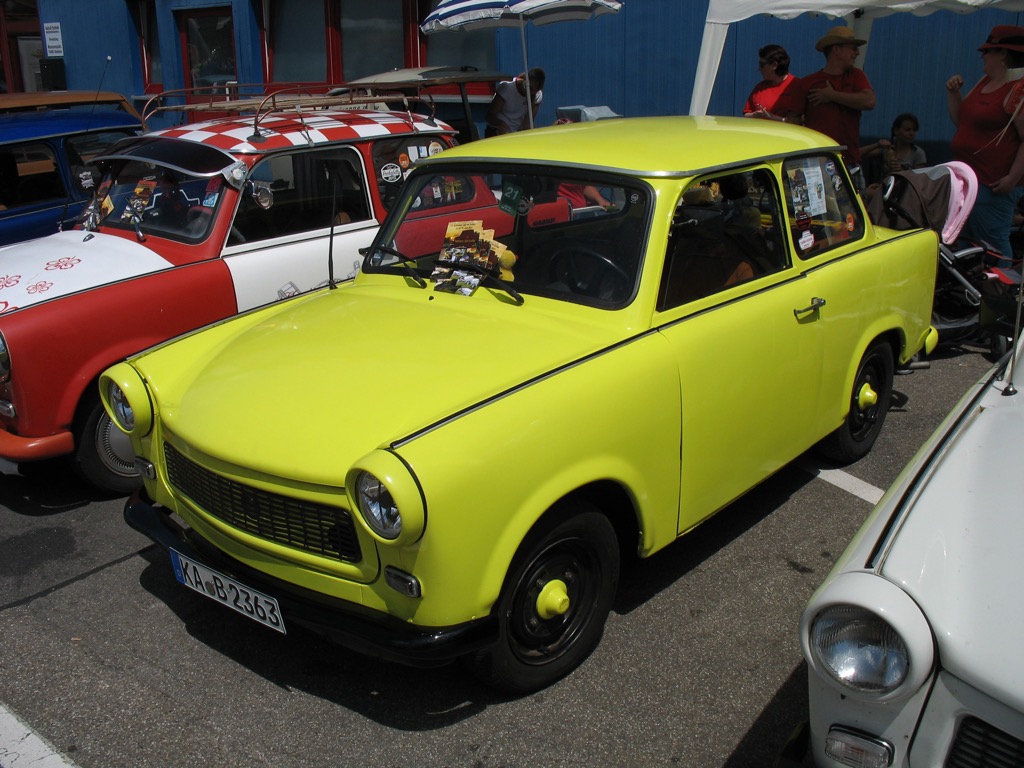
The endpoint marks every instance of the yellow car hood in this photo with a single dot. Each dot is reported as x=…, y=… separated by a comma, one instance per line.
x=304, y=389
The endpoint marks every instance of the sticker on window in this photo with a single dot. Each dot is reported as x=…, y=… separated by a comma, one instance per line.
x=391, y=173
x=511, y=196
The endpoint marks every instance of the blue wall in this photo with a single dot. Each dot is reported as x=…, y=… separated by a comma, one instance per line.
x=640, y=61
x=93, y=31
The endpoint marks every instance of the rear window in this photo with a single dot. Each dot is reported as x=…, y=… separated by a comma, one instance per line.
x=821, y=206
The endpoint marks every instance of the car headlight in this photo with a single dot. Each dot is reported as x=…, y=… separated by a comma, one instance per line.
x=378, y=507
x=5, y=360
x=860, y=649
x=126, y=399
x=120, y=408
x=388, y=498
x=867, y=637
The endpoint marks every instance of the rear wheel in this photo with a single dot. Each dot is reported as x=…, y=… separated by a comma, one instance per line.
x=869, y=402
x=554, y=603
x=103, y=453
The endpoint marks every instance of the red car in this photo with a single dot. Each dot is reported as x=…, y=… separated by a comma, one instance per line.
x=190, y=225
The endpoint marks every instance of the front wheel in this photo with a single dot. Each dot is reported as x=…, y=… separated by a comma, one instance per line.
x=869, y=402
x=103, y=453
x=554, y=604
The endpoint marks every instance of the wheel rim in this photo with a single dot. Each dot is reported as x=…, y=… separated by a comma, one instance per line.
x=553, y=602
x=864, y=409
x=114, y=448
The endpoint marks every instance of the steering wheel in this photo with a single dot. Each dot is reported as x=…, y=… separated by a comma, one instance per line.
x=587, y=271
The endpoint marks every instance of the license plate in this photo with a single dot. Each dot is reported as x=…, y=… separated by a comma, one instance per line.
x=225, y=590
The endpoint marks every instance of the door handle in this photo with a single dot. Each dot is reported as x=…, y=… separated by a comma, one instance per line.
x=816, y=303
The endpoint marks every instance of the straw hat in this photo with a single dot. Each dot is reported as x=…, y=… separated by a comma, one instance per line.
x=1005, y=36
x=841, y=36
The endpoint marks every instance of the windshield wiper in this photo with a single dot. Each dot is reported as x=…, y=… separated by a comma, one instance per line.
x=403, y=260
x=489, y=274
x=90, y=218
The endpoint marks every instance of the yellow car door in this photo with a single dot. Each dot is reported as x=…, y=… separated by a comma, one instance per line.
x=745, y=327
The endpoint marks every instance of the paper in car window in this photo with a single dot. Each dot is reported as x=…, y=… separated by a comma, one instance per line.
x=807, y=187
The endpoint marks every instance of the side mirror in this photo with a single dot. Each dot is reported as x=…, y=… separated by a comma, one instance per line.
x=262, y=194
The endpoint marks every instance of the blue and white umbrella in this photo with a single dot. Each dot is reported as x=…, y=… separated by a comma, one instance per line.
x=482, y=14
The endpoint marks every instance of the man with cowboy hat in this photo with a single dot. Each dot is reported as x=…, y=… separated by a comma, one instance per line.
x=832, y=99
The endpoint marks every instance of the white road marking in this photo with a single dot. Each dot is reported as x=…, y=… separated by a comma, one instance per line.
x=21, y=748
x=844, y=480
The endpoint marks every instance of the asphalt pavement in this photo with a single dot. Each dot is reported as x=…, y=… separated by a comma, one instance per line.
x=105, y=661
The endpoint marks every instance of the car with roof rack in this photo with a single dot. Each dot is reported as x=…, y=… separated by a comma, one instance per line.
x=564, y=346
x=48, y=145
x=190, y=224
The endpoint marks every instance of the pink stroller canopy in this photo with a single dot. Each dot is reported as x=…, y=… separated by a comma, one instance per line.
x=939, y=197
x=963, y=191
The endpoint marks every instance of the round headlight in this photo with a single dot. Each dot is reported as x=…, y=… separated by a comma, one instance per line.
x=859, y=649
x=120, y=409
x=126, y=399
x=377, y=506
x=5, y=360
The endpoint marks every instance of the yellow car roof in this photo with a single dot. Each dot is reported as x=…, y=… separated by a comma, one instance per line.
x=649, y=146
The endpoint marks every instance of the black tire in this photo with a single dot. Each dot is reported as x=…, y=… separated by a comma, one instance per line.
x=999, y=344
x=103, y=453
x=854, y=439
x=579, y=549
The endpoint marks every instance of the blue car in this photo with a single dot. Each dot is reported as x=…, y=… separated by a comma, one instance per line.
x=47, y=141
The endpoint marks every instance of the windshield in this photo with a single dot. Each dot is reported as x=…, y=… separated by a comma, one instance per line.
x=162, y=201
x=559, y=233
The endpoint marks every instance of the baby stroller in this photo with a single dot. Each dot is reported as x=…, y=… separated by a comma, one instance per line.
x=972, y=296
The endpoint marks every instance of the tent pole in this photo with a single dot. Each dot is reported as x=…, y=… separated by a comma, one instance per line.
x=526, y=66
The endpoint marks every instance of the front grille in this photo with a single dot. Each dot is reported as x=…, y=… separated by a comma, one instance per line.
x=317, y=528
x=979, y=745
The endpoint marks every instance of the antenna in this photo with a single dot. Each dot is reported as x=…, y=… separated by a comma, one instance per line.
x=330, y=234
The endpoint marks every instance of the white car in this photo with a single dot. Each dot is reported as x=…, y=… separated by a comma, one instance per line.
x=913, y=641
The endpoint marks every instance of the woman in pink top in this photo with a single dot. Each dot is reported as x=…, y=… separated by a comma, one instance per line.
x=989, y=128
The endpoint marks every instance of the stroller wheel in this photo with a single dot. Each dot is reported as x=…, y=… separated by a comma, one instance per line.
x=999, y=344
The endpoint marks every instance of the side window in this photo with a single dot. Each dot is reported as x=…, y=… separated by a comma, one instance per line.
x=394, y=158
x=295, y=193
x=29, y=175
x=728, y=229
x=820, y=201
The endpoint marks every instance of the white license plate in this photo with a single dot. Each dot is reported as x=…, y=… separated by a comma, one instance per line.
x=217, y=586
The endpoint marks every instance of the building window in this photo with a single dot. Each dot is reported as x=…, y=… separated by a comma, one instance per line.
x=208, y=47
x=299, y=41
x=372, y=37
x=334, y=41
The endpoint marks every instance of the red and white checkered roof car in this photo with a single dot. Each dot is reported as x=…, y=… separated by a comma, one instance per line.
x=190, y=225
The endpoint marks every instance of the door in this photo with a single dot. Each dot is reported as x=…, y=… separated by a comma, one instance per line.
x=278, y=244
x=741, y=320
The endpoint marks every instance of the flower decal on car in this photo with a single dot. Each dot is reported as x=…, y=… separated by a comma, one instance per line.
x=41, y=287
x=9, y=281
x=67, y=262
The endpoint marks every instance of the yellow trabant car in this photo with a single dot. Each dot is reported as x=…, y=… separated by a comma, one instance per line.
x=565, y=346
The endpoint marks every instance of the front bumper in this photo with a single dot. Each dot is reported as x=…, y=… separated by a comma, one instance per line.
x=16, y=448
x=367, y=632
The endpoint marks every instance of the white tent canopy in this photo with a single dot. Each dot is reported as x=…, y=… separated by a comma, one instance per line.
x=859, y=15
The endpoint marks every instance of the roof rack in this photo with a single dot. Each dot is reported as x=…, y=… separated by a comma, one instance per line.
x=250, y=98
